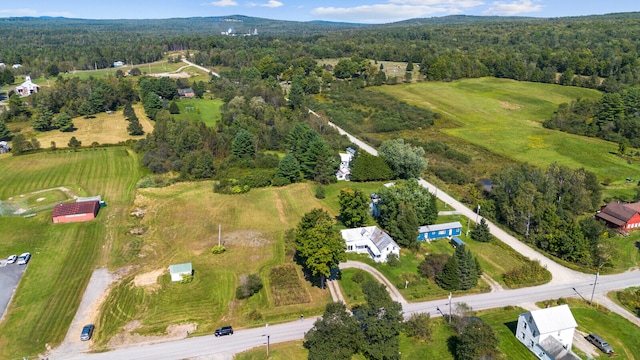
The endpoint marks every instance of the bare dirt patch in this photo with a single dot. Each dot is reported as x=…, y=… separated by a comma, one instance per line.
x=509, y=106
x=129, y=338
x=148, y=279
x=40, y=199
x=280, y=209
x=180, y=75
x=245, y=238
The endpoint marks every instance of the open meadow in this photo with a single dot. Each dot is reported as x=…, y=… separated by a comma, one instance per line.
x=103, y=129
x=64, y=255
x=205, y=110
x=505, y=117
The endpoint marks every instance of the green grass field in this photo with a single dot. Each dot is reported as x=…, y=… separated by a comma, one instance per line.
x=252, y=229
x=64, y=255
x=505, y=117
x=207, y=111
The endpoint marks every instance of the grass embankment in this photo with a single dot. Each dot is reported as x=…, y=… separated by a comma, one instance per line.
x=103, y=129
x=64, y=255
x=505, y=117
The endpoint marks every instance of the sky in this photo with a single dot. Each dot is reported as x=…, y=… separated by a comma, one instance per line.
x=358, y=11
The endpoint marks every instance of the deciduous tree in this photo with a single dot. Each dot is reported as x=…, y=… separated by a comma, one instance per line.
x=354, y=207
x=406, y=161
x=336, y=335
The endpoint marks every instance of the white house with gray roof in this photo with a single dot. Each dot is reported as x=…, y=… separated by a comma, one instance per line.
x=548, y=333
x=372, y=241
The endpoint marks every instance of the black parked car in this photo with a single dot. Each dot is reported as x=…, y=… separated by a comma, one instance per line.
x=225, y=330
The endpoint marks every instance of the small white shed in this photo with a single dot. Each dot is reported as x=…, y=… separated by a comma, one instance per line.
x=177, y=270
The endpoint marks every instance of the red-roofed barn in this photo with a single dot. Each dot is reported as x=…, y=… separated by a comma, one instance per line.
x=74, y=212
x=621, y=216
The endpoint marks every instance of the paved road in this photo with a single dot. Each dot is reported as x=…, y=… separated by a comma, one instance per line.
x=208, y=71
x=10, y=275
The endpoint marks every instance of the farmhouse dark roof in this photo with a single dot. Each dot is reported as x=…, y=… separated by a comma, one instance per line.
x=84, y=207
x=617, y=213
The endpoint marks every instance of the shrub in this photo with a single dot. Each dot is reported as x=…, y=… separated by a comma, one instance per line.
x=419, y=326
x=255, y=315
x=358, y=277
x=451, y=175
x=320, y=192
x=528, y=274
x=218, y=249
x=186, y=278
x=393, y=260
x=432, y=265
x=248, y=286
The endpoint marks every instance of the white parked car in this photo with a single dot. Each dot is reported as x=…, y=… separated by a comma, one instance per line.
x=23, y=259
x=11, y=259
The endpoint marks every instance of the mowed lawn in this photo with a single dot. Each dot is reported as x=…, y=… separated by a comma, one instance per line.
x=103, y=129
x=64, y=255
x=505, y=117
x=182, y=223
x=205, y=110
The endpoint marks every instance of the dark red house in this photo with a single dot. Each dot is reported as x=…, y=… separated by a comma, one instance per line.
x=621, y=216
x=74, y=212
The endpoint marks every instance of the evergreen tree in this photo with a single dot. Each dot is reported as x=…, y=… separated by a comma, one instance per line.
x=449, y=279
x=366, y=167
x=135, y=128
x=5, y=133
x=481, y=232
x=42, y=121
x=128, y=111
x=467, y=268
x=243, y=146
x=64, y=122
x=409, y=66
x=288, y=169
x=173, y=108
x=152, y=104
x=296, y=95
x=407, y=226
x=381, y=321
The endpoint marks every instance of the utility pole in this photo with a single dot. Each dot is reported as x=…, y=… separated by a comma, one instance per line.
x=449, y=308
x=477, y=213
x=594, y=287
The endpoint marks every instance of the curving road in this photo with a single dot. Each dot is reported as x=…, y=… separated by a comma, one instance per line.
x=200, y=67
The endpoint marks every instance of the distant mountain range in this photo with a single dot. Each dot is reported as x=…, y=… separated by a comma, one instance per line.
x=246, y=25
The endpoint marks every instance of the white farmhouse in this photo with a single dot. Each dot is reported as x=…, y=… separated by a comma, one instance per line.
x=548, y=333
x=370, y=240
x=27, y=87
x=344, y=171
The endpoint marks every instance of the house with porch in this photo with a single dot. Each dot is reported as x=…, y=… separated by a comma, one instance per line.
x=372, y=241
x=621, y=216
x=548, y=333
x=439, y=231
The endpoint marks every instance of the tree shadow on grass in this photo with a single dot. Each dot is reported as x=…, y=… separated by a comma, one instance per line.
x=512, y=326
x=452, y=344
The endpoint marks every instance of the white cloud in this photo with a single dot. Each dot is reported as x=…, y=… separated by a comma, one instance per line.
x=396, y=10
x=32, y=12
x=224, y=3
x=513, y=8
x=272, y=4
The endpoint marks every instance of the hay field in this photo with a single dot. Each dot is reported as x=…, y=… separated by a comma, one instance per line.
x=64, y=255
x=103, y=129
x=181, y=223
x=504, y=116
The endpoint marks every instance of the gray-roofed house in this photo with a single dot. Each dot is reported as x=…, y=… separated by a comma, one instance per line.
x=178, y=270
x=548, y=333
x=372, y=241
x=439, y=231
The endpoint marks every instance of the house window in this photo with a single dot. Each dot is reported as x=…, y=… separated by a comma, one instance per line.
x=531, y=343
x=350, y=247
x=525, y=325
x=523, y=335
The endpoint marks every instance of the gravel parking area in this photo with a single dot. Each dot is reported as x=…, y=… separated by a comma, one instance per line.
x=10, y=275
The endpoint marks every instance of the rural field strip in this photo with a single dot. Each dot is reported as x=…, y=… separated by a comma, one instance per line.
x=565, y=283
x=200, y=67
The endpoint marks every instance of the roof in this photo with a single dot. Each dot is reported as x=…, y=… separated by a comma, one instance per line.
x=457, y=241
x=617, y=213
x=180, y=268
x=555, y=348
x=345, y=157
x=553, y=319
x=378, y=237
x=76, y=208
x=438, y=227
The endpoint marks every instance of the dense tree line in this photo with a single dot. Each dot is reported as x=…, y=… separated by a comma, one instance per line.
x=544, y=207
x=372, y=331
x=581, y=48
x=614, y=117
